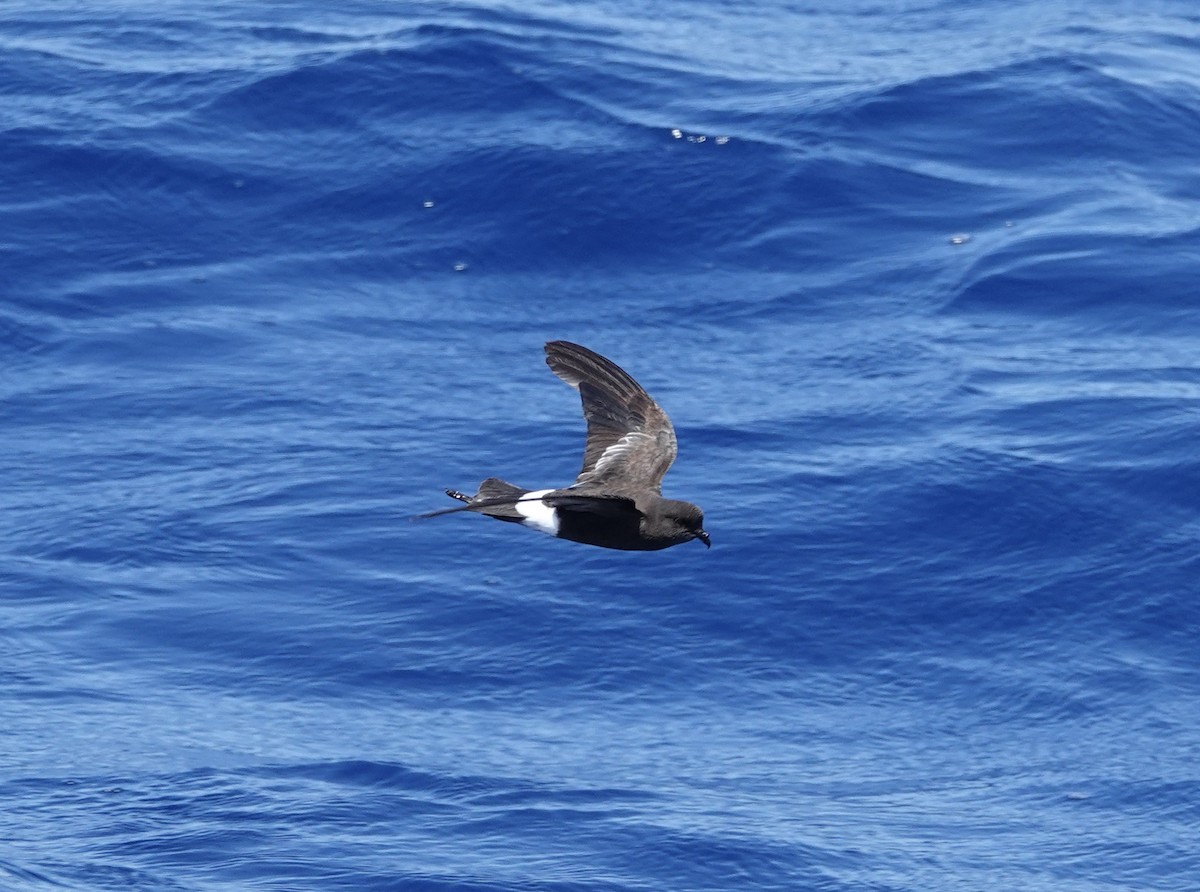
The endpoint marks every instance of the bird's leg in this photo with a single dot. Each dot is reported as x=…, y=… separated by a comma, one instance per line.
x=455, y=494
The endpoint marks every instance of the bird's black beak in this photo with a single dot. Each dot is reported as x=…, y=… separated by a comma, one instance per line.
x=703, y=537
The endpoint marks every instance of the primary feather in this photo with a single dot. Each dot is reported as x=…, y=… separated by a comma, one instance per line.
x=629, y=438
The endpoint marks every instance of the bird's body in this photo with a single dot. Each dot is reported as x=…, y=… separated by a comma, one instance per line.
x=616, y=501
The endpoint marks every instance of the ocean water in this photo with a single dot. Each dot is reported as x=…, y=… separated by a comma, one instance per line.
x=916, y=283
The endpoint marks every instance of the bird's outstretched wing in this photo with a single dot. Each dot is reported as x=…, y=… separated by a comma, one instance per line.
x=629, y=437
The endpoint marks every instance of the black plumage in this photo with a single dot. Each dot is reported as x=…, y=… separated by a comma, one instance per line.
x=616, y=501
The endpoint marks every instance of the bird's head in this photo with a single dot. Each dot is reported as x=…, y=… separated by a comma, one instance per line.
x=687, y=519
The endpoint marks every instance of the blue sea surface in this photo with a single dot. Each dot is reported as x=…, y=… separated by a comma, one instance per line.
x=917, y=284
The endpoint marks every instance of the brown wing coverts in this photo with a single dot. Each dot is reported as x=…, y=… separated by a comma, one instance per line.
x=615, y=406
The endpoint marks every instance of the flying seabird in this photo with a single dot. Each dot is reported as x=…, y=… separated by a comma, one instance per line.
x=616, y=501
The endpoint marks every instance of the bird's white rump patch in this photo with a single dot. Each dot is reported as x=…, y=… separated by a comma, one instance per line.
x=537, y=513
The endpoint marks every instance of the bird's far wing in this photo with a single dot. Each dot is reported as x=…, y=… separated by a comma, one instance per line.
x=473, y=505
x=629, y=436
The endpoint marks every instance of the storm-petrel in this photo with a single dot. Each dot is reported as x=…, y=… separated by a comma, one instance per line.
x=616, y=501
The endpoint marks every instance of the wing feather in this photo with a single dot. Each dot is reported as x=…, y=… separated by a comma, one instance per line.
x=630, y=439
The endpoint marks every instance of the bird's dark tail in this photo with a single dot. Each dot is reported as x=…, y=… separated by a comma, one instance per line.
x=495, y=489
x=496, y=498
